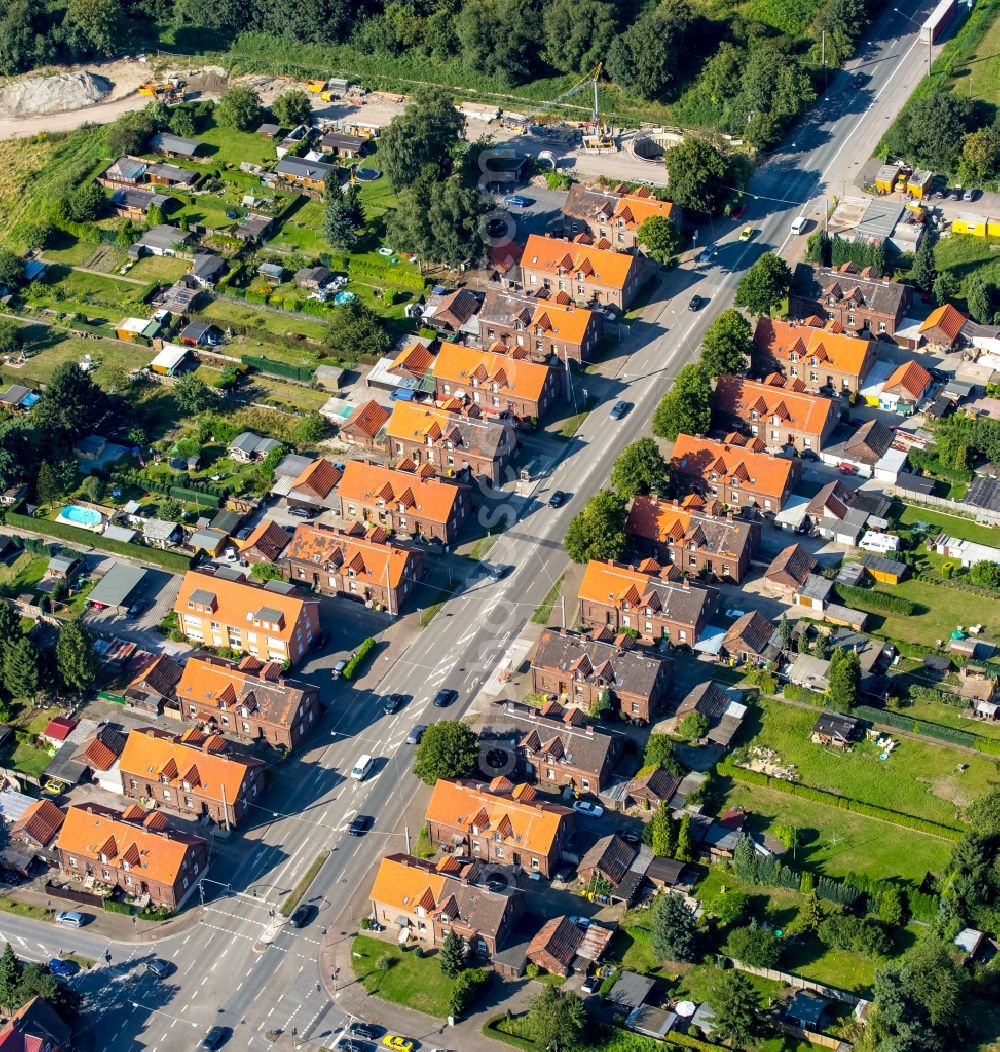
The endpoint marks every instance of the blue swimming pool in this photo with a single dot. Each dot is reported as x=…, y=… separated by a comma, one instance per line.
x=84, y=518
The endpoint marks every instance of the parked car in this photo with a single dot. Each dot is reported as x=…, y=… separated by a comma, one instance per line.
x=590, y=985
x=413, y=738
x=631, y=838
x=585, y=807
x=846, y=469
x=71, y=918
x=558, y=499
x=302, y=916
x=360, y=824
x=64, y=969
x=321, y=640
x=970, y=194
x=618, y=410
x=367, y=1030
x=515, y=201
x=216, y=1037
x=161, y=969
x=393, y=703
x=338, y=670
x=747, y=233
x=445, y=697
x=695, y=302
x=400, y=1044
x=565, y=874
x=580, y=922
x=301, y=513
x=809, y=454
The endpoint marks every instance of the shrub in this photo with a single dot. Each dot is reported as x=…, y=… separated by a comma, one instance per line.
x=866, y=597
x=358, y=657
x=797, y=693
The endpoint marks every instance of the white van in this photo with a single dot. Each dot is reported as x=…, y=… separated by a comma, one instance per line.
x=799, y=223
x=362, y=768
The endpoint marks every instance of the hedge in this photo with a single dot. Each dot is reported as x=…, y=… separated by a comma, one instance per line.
x=808, y=792
x=796, y=693
x=175, y=562
x=493, y=1031
x=194, y=496
x=387, y=274
x=358, y=657
x=302, y=373
x=195, y=489
x=951, y=735
x=891, y=604
x=112, y=906
x=684, y=1041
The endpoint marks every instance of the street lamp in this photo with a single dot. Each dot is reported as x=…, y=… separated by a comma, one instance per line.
x=930, y=36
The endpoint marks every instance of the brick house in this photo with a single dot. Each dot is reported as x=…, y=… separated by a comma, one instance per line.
x=613, y=216
x=451, y=442
x=547, y=328
x=267, y=621
x=251, y=701
x=428, y=902
x=155, y=686
x=942, y=329
x=314, y=487
x=648, y=599
x=694, y=535
x=265, y=543
x=191, y=773
x=578, y=668
x=559, y=747
x=749, y=639
x=907, y=385
x=822, y=357
x=133, y=850
x=737, y=471
x=363, y=426
x=777, y=409
x=499, y=384
x=585, y=273
x=35, y=1027
x=859, y=301
x=411, y=502
x=36, y=829
x=359, y=564
x=500, y=822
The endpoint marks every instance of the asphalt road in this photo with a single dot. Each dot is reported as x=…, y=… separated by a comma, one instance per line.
x=224, y=974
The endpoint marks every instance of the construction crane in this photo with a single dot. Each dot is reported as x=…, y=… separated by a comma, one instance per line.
x=600, y=138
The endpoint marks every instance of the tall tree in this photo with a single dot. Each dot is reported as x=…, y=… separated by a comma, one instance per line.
x=673, y=930
x=93, y=27
x=71, y=402
x=452, y=955
x=660, y=238
x=20, y=669
x=439, y=221
x=498, y=37
x=291, y=108
x=47, y=487
x=648, y=58
x=930, y=131
x=662, y=832
x=75, y=657
x=725, y=347
x=238, y=108
x=448, y=749
x=640, y=466
x=978, y=296
x=424, y=136
x=10, y=979
x=754, y=945
x=11, y=336
x=765, y=285
x=698, y=173
x=355, y=330
x=844, y=680
x=739, y=1015
x=597, y=531
x=687, y=406
x=10, y=631
x=684, y=851
x=11, y=269
x=924, y=268
x=556, y=1019
x=338, y=223
x=577, y=33
x=191, y=393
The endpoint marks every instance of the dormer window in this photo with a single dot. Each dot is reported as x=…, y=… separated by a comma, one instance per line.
x=754, y=415
x=794, y=356
x=830, y=300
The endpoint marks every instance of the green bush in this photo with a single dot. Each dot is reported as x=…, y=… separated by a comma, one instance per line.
x=952, y=735
x=358, y=657
x=866, y=597
x=494, y=1031
x=386, y=274
x=112, y=906
x=301, y=373
x=796, y=693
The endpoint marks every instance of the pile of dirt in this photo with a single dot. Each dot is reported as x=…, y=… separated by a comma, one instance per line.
x=36, y=96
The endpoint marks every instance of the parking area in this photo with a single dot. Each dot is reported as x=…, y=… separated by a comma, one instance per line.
x=155, y=596
x=346, y=624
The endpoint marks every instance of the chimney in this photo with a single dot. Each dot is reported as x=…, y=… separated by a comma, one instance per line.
x=590, y=730
x=729, y=516
x=685, y=584
x=533, y=713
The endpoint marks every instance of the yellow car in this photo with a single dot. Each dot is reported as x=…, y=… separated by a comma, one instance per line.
x=746, y=233
x=400, y=1044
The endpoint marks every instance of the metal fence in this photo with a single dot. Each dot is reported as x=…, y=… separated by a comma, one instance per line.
x=952, y=507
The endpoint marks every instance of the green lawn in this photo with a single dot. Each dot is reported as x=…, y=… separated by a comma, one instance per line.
x=69, y=250
x=226, y=310
x=949, y=716
x=919, y=778
x=979, y=76
x=49, y=347
x=234, y=147
x=962, y=255
x=22, y=573
x=416, y=982
x=955, y=525
x=160, y=268
x=836, y=842
x=303, y=230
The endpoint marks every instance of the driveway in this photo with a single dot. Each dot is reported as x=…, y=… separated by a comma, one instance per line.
x=156, y=593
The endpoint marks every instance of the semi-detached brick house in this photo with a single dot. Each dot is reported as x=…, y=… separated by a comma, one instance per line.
x=579, y=667
x=778, y=410
x=134, y=850
x=548, y=328
x=612, y=215
x=358, y=564
x=649, y=599
x=500, y=822
x=451, y=442
x=737, y=472
x=404, y=500
x=859, y=301
x=428, y=901
x=695, y=535
x=583, y=272
x=191, y=774
x=499, y=384
x=266, y=621
x=824, y=358
x=365, y=424
x=251, y=701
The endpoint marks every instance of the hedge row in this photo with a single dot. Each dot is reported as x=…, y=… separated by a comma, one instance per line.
x=796, y=693
x=175, y=562
x=808, y=792
x=192, y=490
x=684, y=1041
x=302, y=373
x=493, y=1031
x=358, y=657
x=891, y=604
x=387, y=274
x=951, y=735
x=943, y=697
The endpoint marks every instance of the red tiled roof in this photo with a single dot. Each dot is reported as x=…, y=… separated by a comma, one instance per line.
x=367, y=419
x=40, y=822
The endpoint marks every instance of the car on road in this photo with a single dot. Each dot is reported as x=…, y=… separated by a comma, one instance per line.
x=706, y=254
x=515, y=201
x=302, y=513
x=360, y=824
x=400, y=1044
x=695, y=302
x=64, y=969
x=161, y=969
x=321, y=640
x=413, y=738
x=860, y=79
x=338, y=670
x=746, y=233
x=71, y=918
x=393, y=703
x=362, y=768
x=585, y=807
x=216, y=1037
x=347, y=1044
x=498, y=571
x=302, y=916
x=558, y=499
x=445, y=697
x=367, y=1030
x=618, y=410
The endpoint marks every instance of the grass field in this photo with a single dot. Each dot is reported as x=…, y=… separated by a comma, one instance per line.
x=979, y=76
x=953, y=524
x=919, y=778
x=69, y=250
x=921, y=709
x=406, y=979
x=160, y=268
x=228, y=310
x=962, y=255
x=835, y=842
x=303, y=231
x=49, y=347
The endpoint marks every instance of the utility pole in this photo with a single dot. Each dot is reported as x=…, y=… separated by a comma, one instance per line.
x=406, y=833
x=563, y=598
x=826, y=75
